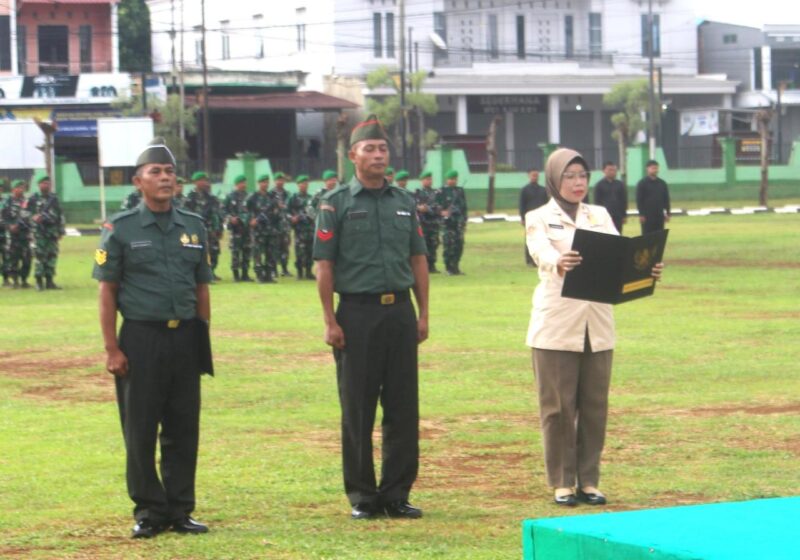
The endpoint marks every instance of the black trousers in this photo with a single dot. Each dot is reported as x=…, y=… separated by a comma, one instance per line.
x=161, y=390
x=653, y=223
x=378, y=363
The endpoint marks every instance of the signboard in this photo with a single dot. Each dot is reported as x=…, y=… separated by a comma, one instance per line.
x=699, y=123
x=49, y=86
x=499, y=104
x=120, y=141
x=80, y=122
x=18, y=145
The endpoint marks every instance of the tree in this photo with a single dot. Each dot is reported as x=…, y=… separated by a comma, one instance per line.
x=418, y=104
x=631, y=98
x=134, y=36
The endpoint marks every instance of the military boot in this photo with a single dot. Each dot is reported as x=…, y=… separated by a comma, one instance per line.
x=245, y=275
x=235, y=275
x=24, y=283
x=39, y=284
x=310, y=274
x=14, y=283
x=285, y=271
x=299, y=273
x=432, y=269
x=6, y=281
x=49, y=284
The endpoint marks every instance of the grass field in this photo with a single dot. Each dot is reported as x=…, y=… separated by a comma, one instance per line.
x=705, y=407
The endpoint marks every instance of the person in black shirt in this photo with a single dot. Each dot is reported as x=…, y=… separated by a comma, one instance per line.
x=652, y=200
x=531, y=197
x=610, y=193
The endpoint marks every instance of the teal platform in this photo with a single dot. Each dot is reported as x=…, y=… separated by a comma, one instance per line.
x=754, y=530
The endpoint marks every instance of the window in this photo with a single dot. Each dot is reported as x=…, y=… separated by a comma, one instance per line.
x=758, y=76
x=440, y=28
x=595, y=35
x=389, y=35
x=569, y=36
x=520, y=37
x=730, y=39
x=5, y=43
x=22, y=49
x=494, y=43
x=85, y=42
x=655, y=32
x=377, y=35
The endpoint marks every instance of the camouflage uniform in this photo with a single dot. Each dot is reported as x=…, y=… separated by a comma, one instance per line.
x=453, y=199
x=3, y=242
x=430, y=220
x=303, y=233
x=264, y=236
x=285, y=229
x=179, y=200
x=132, y=200
x=17, y=263
x=235, y=206
x=46, y=234
x=207, y=206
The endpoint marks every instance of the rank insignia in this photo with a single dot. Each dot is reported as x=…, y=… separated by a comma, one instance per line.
x=185, y=239
x=325, y=235
x=195, y=239
x=100, y=257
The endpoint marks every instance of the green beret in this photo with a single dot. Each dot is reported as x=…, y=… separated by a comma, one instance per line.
x=17, y=183
x=389, y=171
x=279, y=175
x=452, y=174
x=42, y=179
x=426, y=174
x=401, y=175
x=156, y=152
x=239, y=178
x=264, y=177
x=301, y=179
x=370, y=129
x=199, y=176
x=328, y=174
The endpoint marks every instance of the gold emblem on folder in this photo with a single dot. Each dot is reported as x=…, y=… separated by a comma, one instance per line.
x=643, y=258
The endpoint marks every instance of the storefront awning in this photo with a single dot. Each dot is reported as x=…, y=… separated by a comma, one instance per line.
x=285, y=101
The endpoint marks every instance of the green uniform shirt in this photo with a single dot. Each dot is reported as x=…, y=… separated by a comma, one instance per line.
x=370, y=236
x=157, y=269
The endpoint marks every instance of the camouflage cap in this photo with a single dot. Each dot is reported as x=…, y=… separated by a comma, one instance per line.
x=264, y=177
x=156, y=152
x=389, y=171
x=199, y=176
x=402, y=175
x=328, y=174
x=239, y=178
x=370, y=129
x=452, y=174
x=279, y=175
x=426, y=174
x=17, y=183
x=42, y=179
x=301, y=179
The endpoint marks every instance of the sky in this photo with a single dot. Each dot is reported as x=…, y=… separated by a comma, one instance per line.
x=746, y=12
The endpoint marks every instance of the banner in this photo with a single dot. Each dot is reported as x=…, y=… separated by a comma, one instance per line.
x=699, y=123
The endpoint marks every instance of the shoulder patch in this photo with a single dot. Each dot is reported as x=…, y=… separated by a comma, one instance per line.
x=189, y=213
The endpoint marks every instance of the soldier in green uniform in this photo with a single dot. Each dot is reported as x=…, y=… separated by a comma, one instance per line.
x=369, y=248
x=18, y=224
x=429, y=217
x=284, y=227
x=238, y=223
x=263, y=210
x=389, y=174
x=132, y=200
x=6, y=282
x=48, y=219
x=152, y=267
x=179, y=200
x=402, y=178
x=452, y=202
x=201, y=201
x=303, y=226
x=330, y=181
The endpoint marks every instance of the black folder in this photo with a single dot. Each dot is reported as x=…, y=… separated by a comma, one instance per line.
x=614, y=269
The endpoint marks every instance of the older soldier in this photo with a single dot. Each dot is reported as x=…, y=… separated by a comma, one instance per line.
x=201, y=201
x=369, y=249
x=48, y=230
x=402, y=178
x=303, y=226
x=262, y=208
x=284, y=227
x=238, y=220
x=330, y=182
x=17, y=220
x=452, y=203
x=152, y=266
x=429, y=217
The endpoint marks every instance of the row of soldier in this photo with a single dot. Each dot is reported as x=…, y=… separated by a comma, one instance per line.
x=30, y=228
x=260, y=224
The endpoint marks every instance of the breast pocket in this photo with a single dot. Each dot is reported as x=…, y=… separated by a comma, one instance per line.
x=142, y=256
x=357, y=225
x=403, y=223
x=192, y=255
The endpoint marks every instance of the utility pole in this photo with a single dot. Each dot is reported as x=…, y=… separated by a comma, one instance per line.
x=181, y=126
x=206, y=119
x=402, y=7
x=491, y=148
x=651, y=122
x=763, y=118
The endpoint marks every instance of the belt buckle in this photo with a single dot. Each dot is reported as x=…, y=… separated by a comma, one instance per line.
x=173, y=323
x=387, y=299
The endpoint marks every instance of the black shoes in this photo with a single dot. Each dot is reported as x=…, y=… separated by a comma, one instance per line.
x=365, y=511
x=568, y=500
x=591, y=498
x=145, y=529
x=402, y=509
x=189, y=526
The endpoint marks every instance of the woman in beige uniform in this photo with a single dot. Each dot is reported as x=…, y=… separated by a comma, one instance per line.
x=572, y=340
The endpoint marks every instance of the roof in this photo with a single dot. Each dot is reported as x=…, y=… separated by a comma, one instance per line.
x=68, y=2
x=295, y=100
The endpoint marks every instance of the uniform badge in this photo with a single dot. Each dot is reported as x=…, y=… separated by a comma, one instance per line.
x=100, y=257
x=185, y=239
x=195, y=239
x=327, y=207
x=324, y=235
x=108, y=226
x=419, y=231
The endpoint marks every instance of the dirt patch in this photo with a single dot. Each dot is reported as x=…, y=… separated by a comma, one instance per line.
x=250, y=335
x=60, y=378
x=790, y=408
x=731, y=263
x=22, y=366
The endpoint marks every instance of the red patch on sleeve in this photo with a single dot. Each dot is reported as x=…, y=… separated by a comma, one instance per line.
x=324, y=235
x=108, y=226
x=419, y=231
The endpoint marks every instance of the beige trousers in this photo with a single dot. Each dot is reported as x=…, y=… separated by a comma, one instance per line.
x=573, y=405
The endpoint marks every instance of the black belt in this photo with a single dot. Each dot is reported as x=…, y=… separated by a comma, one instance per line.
x=171, y=324
x=388, y=298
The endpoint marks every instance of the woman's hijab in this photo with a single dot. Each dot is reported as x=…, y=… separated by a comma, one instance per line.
x=556, y=164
